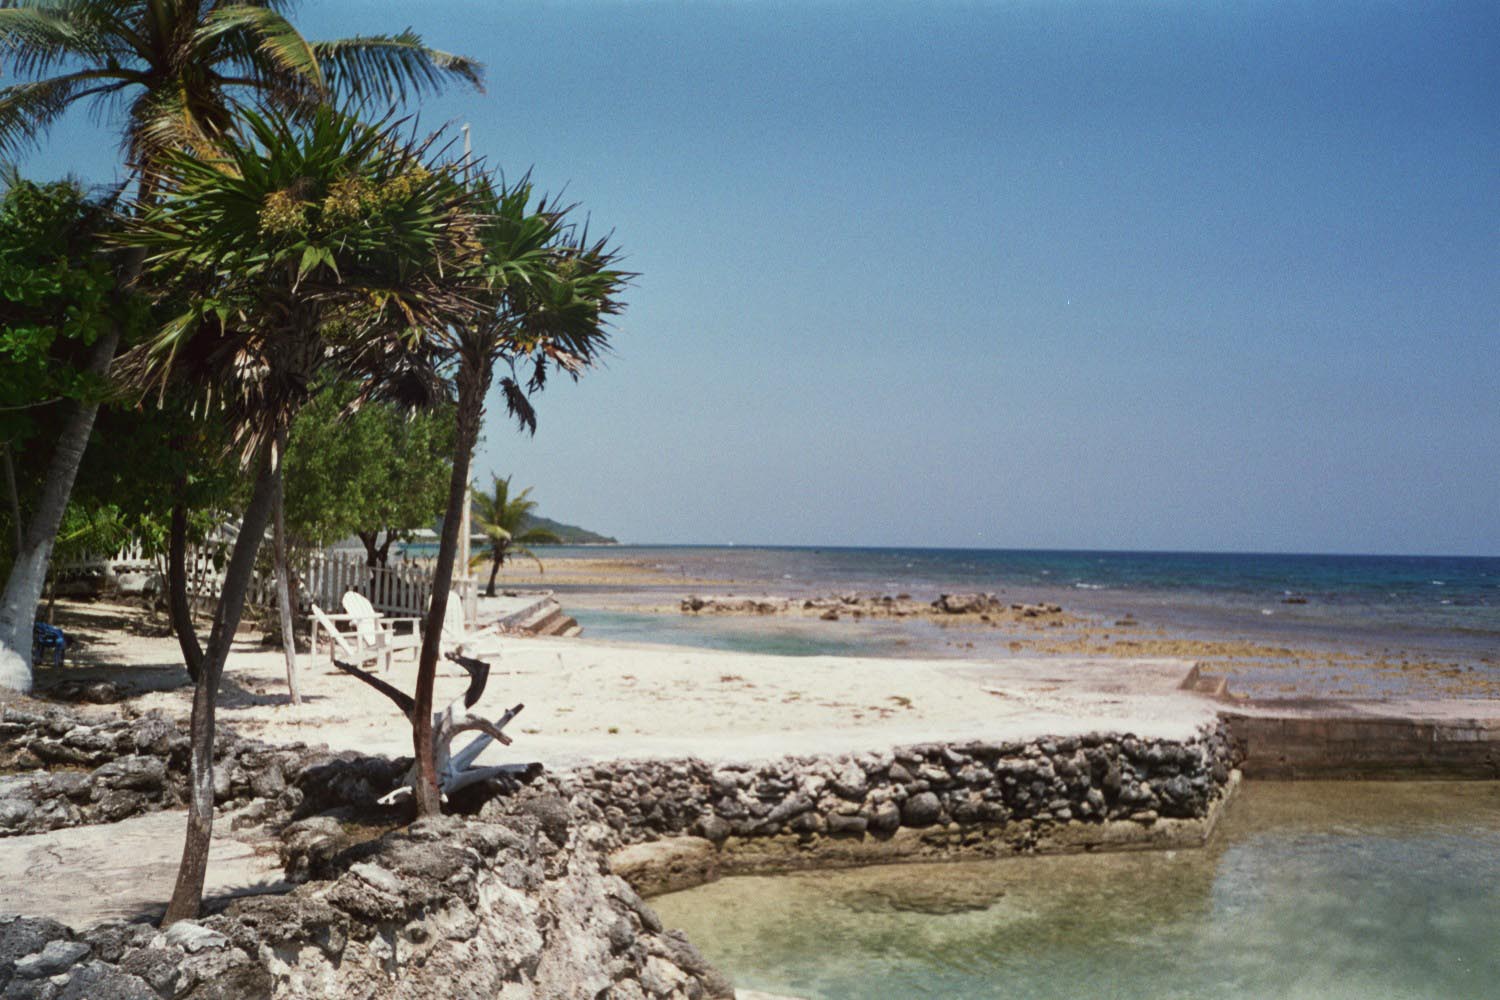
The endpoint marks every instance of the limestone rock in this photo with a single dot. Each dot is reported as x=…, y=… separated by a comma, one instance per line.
x=57, y=955
x=922, y=809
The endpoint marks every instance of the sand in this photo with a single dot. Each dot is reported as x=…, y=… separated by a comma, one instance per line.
x=593, y=700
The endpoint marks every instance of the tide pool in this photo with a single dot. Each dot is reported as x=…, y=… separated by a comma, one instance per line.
x=1310, y=890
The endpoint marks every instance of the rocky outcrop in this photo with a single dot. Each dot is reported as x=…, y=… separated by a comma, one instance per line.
x=514, y=904
x=979, y=604
x=985, y=607
x=67, y=770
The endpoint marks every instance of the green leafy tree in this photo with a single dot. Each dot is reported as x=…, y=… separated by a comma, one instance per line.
x=376, y=471
x=306, y=250
x=181, y=72
x=58, y=297
x=504, y=520
x=548, y=293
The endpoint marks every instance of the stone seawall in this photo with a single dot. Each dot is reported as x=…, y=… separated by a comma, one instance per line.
x=922, y=802
x=535, y=891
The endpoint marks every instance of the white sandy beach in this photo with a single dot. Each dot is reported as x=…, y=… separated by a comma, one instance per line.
x=594, y=700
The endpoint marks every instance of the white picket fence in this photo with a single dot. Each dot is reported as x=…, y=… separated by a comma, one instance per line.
x=401, y=590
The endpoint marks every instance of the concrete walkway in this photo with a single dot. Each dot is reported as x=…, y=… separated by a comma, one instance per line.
x=123, y=870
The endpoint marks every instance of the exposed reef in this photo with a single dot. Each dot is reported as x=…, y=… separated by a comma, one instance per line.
x=983, y=607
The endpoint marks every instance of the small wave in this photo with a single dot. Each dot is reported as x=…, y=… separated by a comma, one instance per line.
x=1438, y=583
x=1089, y=586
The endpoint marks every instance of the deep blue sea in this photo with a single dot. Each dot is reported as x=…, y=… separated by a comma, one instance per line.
x=1447, y=602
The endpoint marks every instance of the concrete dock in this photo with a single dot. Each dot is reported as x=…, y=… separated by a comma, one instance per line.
x=1397, y=738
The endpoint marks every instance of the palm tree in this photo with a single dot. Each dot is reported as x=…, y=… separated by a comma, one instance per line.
x=503, y=519
x=181, y=70
x=321, y=246
x=549, y=293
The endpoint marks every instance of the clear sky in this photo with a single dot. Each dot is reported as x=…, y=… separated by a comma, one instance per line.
x=1160, y=275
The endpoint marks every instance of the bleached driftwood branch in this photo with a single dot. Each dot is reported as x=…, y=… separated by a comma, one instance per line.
x=454, y=770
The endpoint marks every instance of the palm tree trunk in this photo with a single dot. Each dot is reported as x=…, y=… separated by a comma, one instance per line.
x=28, y=574
x=187, y=897
x=179, y=607
x=494, y=572
x=284, y=590
x=472, y=385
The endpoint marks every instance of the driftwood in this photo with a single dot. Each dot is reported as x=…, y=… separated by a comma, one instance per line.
x=454, y=770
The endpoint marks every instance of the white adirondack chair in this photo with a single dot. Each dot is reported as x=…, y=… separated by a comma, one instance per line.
x=338, y=642
x=377, y=633
x=458, y=638
x=373, y=636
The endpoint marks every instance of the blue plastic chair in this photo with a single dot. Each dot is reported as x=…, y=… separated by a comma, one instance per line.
x=45, y=638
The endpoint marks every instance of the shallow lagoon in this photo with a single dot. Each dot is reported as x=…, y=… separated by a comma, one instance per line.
x=1326, y=890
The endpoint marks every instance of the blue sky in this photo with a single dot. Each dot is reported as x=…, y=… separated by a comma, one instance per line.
x=1136, y=276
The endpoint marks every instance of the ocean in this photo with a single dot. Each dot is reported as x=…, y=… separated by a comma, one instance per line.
x=1447, y=601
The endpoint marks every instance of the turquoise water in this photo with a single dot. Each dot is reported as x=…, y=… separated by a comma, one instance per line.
x=1308, y=891
x=1441, y=610
x=780, y=636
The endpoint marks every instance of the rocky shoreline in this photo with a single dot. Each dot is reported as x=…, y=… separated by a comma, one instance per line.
x=513, y=904
x=535, y=888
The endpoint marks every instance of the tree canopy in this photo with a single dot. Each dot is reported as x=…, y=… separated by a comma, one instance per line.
x=378, y=470
x=58, y=295
x=186, y=71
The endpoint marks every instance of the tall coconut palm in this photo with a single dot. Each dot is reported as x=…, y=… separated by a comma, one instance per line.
x=550, y=292
x=180, y=70
x=303, y=248
x=503, y=519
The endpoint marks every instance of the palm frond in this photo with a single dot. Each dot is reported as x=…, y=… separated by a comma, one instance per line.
x=270, y=36
x=27, y=110
x=323, y=245
x=521, y=550
x=537, y=536
x=391, y=68
x=39, y=38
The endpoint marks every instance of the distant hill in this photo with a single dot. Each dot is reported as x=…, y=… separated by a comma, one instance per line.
x=571, y=534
